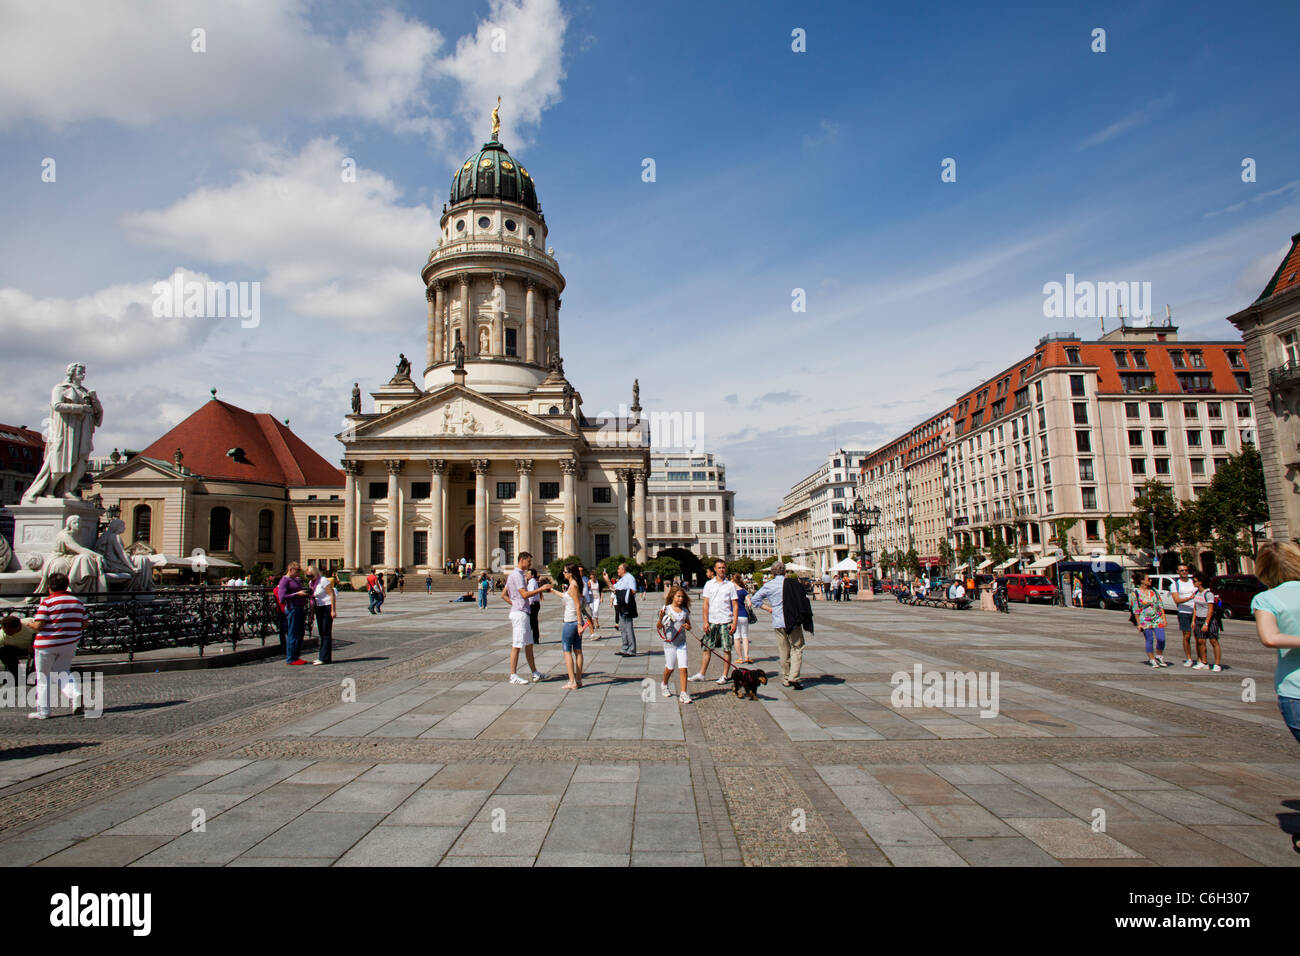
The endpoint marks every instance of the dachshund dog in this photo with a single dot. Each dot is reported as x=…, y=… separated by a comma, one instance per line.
x=745, y=682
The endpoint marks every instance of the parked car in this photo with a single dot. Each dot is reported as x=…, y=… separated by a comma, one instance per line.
x=1236, y=592
x=1029, y=587
x=1105, y=584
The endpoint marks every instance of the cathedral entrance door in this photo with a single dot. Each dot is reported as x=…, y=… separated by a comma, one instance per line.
x=469, y=544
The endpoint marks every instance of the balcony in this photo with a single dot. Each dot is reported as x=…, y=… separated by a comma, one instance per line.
x=1284, y=377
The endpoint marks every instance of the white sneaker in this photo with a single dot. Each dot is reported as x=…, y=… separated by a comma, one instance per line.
x=694, y=678
x=537, y=675
x=684, y=697
x=516, y=679
x=1216, y=667
x=721, y=680
x=1153, y=664
x=666, y=691
x=1198, y=666
x=1188, y=663
x=1160, y=659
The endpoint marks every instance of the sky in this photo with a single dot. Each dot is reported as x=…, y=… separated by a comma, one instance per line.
x=791, y=264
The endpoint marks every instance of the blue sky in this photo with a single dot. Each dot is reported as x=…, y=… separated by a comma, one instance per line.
x=775, y=171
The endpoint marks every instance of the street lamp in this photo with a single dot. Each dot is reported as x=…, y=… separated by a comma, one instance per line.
x=861, y=520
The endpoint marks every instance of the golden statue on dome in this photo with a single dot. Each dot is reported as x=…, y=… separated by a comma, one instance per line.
x=496, y=121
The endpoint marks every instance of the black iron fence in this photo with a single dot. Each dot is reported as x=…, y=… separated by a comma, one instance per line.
x=170, y=617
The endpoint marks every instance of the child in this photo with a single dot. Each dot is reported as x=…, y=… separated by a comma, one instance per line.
x=674, y=621
x=1205, y=623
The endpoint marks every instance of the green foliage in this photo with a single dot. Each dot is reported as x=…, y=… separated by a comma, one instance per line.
x=1061, y=527
x=945, y=553
x=912, y=562
x=257, y=576
x=692, y=568
x=1234, y=503
x=664, y=566
x=1000, y=551
x=742, y=565
x=556, y=568
x=1116, y=530
x=968, y=554
x=1156, y=503
x=610, y=565
x=767, y=562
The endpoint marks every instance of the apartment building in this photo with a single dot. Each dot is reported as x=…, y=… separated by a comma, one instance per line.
x=907, y=479
x=810, y=524
x=754, y=538
x=688, y=505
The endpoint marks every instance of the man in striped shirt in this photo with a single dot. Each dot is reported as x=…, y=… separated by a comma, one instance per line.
x=60, y=619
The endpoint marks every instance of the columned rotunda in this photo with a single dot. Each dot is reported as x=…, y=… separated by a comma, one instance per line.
x=491, y=455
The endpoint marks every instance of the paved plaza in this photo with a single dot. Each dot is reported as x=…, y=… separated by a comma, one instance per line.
x=1091, y=759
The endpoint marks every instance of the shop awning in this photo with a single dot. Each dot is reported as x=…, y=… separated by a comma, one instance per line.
x=1006, y=564
x=961, y=567
x=988, y=563
x=1042, y=563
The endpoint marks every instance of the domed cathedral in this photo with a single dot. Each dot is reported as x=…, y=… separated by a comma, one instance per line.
x=492, y=455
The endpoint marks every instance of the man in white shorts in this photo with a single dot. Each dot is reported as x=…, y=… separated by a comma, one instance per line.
x=516, y=595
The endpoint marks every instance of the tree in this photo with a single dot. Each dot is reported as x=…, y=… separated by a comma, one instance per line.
x=610, y=565
x=1236, y=500
x=913, y=562
x=692, y=567
x=556, y=568
x=968, y=554
x=1062, y=527
x=945, y=553
x=741, y=565
x=999, y=550
x=1156, y=504
x=887, y=562
x=663, y=566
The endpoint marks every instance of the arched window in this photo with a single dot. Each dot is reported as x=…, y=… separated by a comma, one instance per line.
x=265, y=530
x=219, y=529
x=142, y=523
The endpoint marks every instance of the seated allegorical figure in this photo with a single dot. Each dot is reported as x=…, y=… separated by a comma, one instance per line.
x=83, y=566
x=117, y=561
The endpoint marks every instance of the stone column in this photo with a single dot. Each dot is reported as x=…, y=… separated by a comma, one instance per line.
x=434, y=299
x=481, y=556
x=525, y=494
x=530, y=322
x=498, y=313
x=470, y=340
x=620, y=542
x=569, y=492
x=439, y=325
x=393, y=536
x=350, y=513
x=437, y=512
x=642, y=551
x=555, y=328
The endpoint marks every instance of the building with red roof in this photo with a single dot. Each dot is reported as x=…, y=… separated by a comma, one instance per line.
x=21, y=453
x=1271, y=328
x=234, y=484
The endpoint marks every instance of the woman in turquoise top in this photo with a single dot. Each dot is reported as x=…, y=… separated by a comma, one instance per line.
x=1277, y=621
x=1149, y=617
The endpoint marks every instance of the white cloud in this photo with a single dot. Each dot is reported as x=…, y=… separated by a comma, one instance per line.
x=526, y=74
x=328, y=248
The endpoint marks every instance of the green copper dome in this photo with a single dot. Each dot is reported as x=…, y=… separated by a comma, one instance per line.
x=492, y=173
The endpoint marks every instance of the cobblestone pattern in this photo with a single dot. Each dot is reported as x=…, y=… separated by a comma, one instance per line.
x=775, y=822
x=435, y=751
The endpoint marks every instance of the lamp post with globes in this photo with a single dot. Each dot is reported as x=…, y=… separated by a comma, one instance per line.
x=861, y=520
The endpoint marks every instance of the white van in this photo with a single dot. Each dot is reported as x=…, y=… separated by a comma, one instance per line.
x=1164, y=583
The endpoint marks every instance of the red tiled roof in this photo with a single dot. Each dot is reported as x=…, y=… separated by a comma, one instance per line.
x=1287, y=274
x=23, y=436
x=273, y=454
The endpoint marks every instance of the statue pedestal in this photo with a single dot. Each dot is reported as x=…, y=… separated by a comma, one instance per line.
x=36, y=525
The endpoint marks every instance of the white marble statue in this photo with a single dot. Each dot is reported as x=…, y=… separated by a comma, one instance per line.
x=117, y=561
x=75, y=412
x=83, y=566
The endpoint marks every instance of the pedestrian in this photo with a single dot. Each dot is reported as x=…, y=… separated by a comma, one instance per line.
x=571, y=634
x=719, y=613
x=1277, y=622
x=323, y=601
x=60, y=620
x=742, y=620
x=624, y=593
x=1183, y=591
x=483, y=585
x=294, y=597
x=673, y=623
x=826, y=585
x=17, y=635
x=534, y=606
x=401, y=582
x=1204, y=618
x=790, y=609
x=1147, y=613
x=428, y=584
x=1077, y=594
x=375, y=591
x=516, y=594
x=593, y=608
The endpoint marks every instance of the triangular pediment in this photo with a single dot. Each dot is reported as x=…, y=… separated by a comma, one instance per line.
x=457, y=412
x=140, y=468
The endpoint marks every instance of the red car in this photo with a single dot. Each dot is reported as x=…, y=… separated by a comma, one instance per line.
x=1028, y=587
x=1236, y=592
